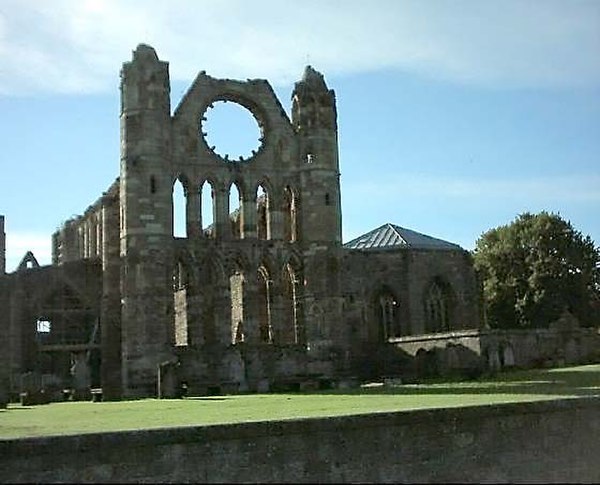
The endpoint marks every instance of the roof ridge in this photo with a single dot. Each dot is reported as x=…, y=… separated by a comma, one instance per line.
x=394, y=228
x=390, y=235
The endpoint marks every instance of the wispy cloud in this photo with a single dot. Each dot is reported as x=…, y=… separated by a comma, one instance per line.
x=478, y=203
x=77, y=46
x=545, y=189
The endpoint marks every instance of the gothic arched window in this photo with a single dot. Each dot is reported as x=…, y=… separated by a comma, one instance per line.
x=387, y=313
x=438, y=306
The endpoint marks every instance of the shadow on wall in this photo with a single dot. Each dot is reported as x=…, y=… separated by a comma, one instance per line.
x=452, y=360
x=383, y=361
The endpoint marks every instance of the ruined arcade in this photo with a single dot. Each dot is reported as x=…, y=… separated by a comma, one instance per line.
x=262, y=297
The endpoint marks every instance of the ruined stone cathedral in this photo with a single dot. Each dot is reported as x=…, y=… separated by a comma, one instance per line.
x=262, y=297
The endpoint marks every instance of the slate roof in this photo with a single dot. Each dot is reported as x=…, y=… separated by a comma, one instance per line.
x=390, y=236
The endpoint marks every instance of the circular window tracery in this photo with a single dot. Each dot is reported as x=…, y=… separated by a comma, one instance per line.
x=231, y=131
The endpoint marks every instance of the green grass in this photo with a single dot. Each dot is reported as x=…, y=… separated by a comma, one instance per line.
x=87, y=417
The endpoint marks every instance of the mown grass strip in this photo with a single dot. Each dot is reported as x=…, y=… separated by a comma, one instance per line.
x=88, y=417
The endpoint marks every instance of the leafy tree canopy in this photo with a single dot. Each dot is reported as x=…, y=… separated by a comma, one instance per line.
x=534, y=269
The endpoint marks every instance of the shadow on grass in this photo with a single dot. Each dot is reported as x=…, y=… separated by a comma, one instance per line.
x=581, y=383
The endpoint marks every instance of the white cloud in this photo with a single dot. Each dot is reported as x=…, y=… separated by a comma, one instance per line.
x=78, y=46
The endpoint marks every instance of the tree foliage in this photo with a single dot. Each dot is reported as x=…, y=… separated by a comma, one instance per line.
x=534, y=269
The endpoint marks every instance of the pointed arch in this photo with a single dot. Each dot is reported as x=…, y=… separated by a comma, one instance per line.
x=206, y=216
x=179, y=204
x=290, y=214
x=265, y=303
x=181, y=278
x=438, y=303
x=29, y=261
x=212, y=269
x=386, y=310
x=291, y=330
x=236, y=209
x=316, y=316
x=237, y=290
x=263, y=198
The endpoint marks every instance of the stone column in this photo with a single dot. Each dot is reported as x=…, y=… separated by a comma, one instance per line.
x=192, y=213
x=99, y=236
x=251, y=312
x=249, y=209
x=110, y=321
x=85, y=236
x=221, y=224
x=92, y=236
x=276, y=215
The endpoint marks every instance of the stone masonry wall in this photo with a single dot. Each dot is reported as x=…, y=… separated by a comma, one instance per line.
x=553, y=441
x=406, y=273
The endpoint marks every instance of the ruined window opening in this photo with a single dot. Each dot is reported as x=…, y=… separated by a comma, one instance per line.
x=236, y=286
x=236, y=211
x=263, y=215
x=222, y=118
x=179, y=210
x=207, y=208
x=180, y=304
x=327, y=199
x=264, y=309
x=318, y=321
x=388, y=310
x=437, y=307
x=152, y=184
x=43, y=326
x=291, y=330
x=290, y=215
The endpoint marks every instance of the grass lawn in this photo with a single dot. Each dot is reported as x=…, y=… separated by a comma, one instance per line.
x=87, y=417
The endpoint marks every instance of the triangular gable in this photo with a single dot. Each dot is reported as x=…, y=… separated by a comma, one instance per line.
x=28, y=262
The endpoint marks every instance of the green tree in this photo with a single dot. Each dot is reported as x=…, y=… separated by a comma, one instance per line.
x=536, y=267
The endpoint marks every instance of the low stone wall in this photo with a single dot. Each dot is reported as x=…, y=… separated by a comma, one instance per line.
x=467, y=351
x=552, y=441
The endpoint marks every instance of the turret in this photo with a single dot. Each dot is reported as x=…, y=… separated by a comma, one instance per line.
x=314, y=118
x=145, y=182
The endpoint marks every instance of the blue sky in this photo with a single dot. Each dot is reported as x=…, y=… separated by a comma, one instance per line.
x=454, y=116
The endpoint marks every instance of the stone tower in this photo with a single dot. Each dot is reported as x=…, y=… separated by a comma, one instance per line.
x=146, y=219
x=314, y=118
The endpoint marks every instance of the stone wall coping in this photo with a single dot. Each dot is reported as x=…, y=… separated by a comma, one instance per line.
x=436, y=336
x=490, y=332
x=197, y=434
